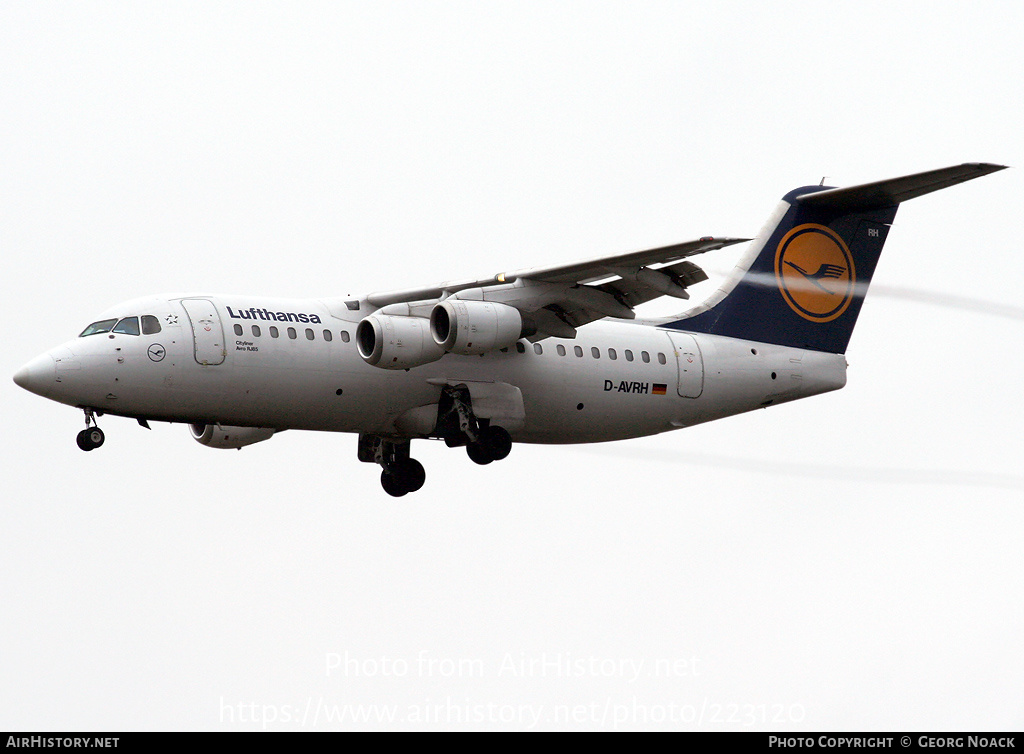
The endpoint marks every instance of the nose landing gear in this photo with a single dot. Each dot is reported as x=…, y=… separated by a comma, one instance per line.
x=92, y=436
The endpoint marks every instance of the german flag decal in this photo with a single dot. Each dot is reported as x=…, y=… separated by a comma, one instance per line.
x=658, y=388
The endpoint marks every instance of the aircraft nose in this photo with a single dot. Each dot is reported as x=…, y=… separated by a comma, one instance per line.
x=39, y=376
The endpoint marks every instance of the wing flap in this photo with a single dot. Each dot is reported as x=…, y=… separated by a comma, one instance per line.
x=634, y=291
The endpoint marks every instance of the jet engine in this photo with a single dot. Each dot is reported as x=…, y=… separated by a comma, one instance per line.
x=471, y=328
x=219, y=436
x=396, y=342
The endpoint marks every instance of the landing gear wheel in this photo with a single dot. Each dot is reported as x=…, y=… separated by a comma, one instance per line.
x=498, y=442
x=90, y=438
x=410, y=474
x=83, y=440
x=392, y=484
x=479, y=453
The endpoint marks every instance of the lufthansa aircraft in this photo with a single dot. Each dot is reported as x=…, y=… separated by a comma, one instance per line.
x=545, y=355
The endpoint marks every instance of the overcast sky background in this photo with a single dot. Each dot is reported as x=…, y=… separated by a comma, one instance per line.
x=851, y=561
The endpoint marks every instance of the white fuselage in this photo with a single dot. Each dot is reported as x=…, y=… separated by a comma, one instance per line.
x=617, y=379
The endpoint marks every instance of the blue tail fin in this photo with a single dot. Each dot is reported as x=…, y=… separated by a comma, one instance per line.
x=802, y=283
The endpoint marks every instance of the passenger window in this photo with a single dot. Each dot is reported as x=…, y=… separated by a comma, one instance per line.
x=661, y=358
x=256, y=331
x=646, y=357
x=612, y=355
x=520, y=348
x=344, y=336
x=629, y=355
x=95, y=328
x=237, y=329
x=595, y=352
x=561, y=349
x=127, y=326
x=538, y=349
x=309, y=334
x=150, y=325
x=328, y=336
x=578, y=351
x=292, y=334
x=274, y=332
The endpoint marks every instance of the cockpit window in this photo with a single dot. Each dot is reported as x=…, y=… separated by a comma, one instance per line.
x=103, y=325
x=127, y=326
x=150, y=325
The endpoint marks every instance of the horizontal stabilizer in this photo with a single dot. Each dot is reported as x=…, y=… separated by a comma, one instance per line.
x=891, y=192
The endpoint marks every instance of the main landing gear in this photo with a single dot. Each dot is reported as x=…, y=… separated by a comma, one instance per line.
x=492, y=444
x=92, y=436
x=456, y=424
x=400, y=474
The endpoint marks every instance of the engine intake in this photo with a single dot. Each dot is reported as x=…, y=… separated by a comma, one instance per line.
x=219, y=436
x=396, y=342
x=471, y=328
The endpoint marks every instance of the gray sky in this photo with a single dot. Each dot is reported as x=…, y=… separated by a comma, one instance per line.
x=851, y=561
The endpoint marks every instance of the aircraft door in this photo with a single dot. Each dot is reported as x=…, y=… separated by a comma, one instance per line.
x=207, y=331
x=690, y=362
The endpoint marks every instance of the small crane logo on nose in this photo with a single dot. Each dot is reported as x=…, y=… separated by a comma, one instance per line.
x=156, y=352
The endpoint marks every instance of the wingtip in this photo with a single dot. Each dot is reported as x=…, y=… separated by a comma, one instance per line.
x=723, y=240
x=987, y=167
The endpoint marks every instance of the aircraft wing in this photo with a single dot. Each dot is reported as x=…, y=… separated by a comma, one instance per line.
x=563, y=297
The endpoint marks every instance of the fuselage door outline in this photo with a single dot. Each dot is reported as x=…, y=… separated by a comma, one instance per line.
x=207, y=331
x=690, y=383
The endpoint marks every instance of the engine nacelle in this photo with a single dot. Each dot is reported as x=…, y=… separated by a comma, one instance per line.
x=219, y=436
x=395, y=342
x=471, y=328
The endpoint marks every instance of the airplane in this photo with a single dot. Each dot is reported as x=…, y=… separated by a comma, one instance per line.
x=544, y=355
